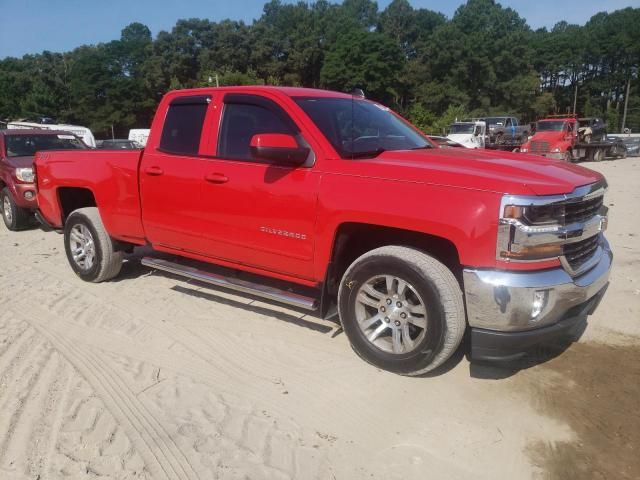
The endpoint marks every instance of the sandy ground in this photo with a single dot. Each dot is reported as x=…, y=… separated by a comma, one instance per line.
x=151, y=377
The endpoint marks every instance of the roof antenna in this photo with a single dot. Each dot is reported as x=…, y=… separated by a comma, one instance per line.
x=358, y=92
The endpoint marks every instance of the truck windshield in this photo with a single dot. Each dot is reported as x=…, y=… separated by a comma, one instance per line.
x=360, y=128
x=495, y=121
x=551, y=126
x=28, y=145
x=461, y=128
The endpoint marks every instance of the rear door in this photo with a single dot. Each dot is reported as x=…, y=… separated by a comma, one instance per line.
x=256, y=213
x=171, y=177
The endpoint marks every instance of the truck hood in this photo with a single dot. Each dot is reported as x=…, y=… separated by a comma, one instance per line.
x=19, y=162
x=548, y=136
x=489, y=170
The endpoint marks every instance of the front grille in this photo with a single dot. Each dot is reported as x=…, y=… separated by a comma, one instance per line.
x=538, y=146
x=578, y=253
x=583, y=210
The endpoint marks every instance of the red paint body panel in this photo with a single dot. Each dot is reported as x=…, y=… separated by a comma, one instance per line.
x=282, y=220
x=112, y=176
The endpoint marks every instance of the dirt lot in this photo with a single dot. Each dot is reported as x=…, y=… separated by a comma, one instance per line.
x=149, y=377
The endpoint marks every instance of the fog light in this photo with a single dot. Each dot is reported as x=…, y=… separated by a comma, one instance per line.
x=29, y=195
x=540, y=298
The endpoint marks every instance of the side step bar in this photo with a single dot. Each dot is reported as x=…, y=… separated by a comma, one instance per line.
x=264, y=291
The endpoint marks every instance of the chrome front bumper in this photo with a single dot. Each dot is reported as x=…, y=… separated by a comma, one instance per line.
x=518, y=301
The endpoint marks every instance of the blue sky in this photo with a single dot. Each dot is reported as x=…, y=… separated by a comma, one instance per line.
x=31, y=26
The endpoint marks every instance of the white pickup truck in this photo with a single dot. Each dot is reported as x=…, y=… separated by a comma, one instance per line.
x=469, y=134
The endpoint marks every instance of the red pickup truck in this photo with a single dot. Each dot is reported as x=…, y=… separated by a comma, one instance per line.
x=323, y=199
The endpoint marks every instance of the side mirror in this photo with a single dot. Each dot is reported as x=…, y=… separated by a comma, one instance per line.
x=476, y=131
x=278, y=148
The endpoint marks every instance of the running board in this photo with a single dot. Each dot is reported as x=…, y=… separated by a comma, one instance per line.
x=264, y=291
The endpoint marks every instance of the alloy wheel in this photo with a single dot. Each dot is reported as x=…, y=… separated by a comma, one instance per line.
x=391, y=314
x=6, y=208
x=83, y=248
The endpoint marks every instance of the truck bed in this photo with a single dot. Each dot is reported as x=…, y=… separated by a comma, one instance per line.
x=111, y=174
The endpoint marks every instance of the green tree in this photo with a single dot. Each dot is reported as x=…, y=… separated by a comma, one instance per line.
x=360, y=59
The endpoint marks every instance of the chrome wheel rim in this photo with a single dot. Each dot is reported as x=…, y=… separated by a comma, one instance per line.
x=391, y=314
x=83, y=250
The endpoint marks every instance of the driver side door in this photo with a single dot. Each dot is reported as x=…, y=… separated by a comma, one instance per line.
x=253, y=212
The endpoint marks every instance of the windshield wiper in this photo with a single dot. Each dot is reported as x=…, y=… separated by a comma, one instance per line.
x=424, y=147
x=368, y=153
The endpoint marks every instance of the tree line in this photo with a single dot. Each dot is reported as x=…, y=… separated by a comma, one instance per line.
x=484, y=60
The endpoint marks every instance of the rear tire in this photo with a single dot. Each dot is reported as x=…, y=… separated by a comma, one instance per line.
x=598, y=155
x=89, y=248
x=15, y=218
x=402, y=310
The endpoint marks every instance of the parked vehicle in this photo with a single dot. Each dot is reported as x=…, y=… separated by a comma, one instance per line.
x=445, y=142
x=468, y=134
x=119, y=144
x=557, y=137
x=82, y=133
x=505, y=131
x=618, y=149
x=17, y=186
x=632, y=144
x=139, y=135
x=333, y=200
x=591, y=129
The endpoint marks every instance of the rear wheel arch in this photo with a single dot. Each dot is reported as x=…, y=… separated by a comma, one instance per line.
x=74, y=198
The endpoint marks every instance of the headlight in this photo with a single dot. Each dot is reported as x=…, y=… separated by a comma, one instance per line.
x=524, y=150
x=25, y=175
x=529, y=232
x=556, y=150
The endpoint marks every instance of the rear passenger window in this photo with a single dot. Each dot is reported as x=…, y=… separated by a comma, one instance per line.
x=183, y=125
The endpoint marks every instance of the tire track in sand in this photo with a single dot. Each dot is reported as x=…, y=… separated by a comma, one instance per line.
x=161, y=454
x=34, y=398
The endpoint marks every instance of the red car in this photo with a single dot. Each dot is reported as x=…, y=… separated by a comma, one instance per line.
x=320, y=199
x=17, y=187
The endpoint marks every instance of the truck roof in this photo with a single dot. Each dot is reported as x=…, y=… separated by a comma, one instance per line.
x=32, y=131
x=289, y=91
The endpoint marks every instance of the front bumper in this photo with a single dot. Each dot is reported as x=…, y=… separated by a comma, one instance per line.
x=554, y=155
x=19, y=190
x=517, y=305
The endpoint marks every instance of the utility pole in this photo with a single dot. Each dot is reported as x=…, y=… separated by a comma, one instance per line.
x=626, y=103
x=113, y=136
x=217, y=84
x=575, y=98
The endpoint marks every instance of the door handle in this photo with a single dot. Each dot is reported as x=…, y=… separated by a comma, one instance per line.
x=153, y=171
x=216, y=178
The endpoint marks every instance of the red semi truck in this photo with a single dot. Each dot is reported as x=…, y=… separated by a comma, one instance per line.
x=318, y=199
x=559, y=137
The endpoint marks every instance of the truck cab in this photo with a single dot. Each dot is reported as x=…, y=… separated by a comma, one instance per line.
x=468, y=133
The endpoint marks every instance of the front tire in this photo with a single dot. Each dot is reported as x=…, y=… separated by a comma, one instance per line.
x=89, y=248
x=15, y=218
x=402, y=310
